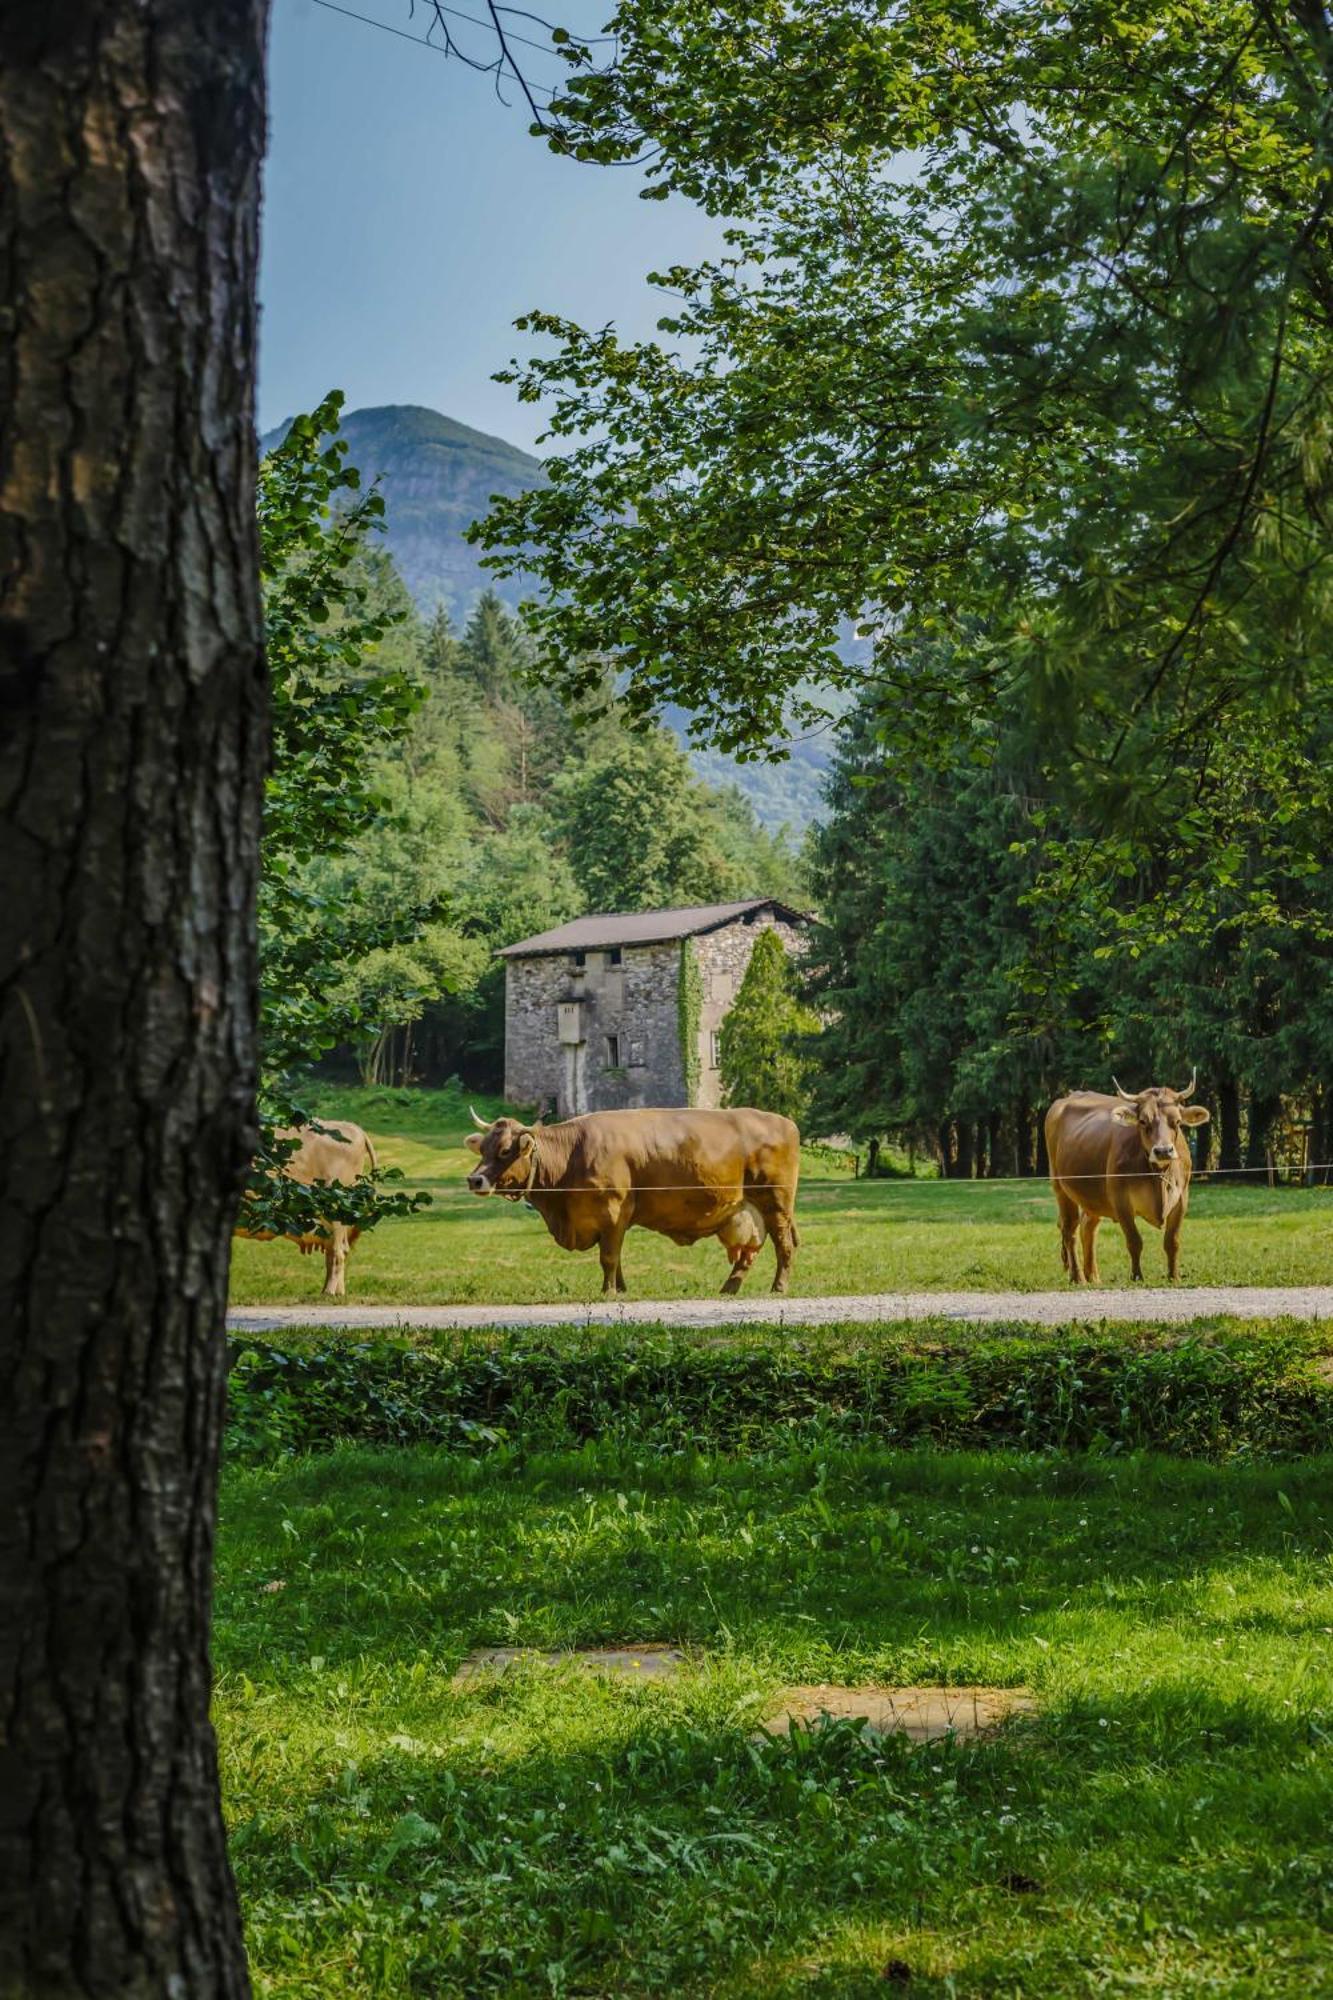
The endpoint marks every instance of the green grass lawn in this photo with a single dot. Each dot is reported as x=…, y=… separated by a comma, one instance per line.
x=857, y=1236
x=1164, y=1826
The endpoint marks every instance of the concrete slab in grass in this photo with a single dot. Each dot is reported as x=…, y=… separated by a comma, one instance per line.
x=923, y=1714
x=638, y=1662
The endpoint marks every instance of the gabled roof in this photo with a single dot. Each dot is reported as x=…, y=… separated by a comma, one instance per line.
x=601, y=933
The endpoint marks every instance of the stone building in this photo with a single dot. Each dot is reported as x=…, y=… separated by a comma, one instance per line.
x=611, y=1012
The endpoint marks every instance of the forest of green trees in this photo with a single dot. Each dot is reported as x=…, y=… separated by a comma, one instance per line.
x=497, y=814
x=979, y=948
x=976, y=952
x=965, y=985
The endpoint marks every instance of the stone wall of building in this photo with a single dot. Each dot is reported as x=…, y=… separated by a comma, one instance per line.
x=534, y=1058
x=624, y=1047
x=628, y=1049
x=722, y=957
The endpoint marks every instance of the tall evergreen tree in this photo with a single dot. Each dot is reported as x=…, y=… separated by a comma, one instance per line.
x=766, y=1060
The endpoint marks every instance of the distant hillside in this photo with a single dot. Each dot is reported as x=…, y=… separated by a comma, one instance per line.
x=437, y=477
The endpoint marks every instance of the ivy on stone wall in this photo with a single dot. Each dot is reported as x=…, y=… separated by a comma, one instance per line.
x=689, y=1013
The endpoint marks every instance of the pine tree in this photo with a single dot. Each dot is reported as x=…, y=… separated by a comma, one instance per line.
x=765, y=1059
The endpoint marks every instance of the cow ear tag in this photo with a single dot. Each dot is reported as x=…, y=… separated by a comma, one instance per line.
x=1126, y=1114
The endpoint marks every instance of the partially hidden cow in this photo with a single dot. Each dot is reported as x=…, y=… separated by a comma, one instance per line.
x=685, y=1174
x=1123, y=1158
x=339, y=1153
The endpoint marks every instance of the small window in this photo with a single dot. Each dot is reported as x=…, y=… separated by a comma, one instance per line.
x=636, y=1055
x=613, y=1052
x=613, y=956
x=715, y=1049
x=580, y=960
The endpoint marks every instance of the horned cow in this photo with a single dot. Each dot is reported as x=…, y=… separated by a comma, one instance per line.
x=1124, y=1158
x=686, y=1174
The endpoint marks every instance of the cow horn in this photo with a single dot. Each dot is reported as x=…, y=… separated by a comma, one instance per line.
x=1128, y=1095
x=1188, y=1091
x=480, y=1123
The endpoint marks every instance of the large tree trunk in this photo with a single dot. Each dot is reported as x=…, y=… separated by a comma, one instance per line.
x=1025, y=1138
x=132, y=747
x=944, y=1141
x=1264, y=1113
x=1228, y=1107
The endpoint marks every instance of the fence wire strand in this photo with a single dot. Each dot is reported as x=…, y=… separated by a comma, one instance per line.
x=1036, y=1181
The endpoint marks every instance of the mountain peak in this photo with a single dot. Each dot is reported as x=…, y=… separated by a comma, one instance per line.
x=437, y=477
x=411, y=424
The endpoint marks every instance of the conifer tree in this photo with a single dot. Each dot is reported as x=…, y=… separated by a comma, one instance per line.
x=765, y=1058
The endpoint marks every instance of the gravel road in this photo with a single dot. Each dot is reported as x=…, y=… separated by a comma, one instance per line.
x=971, y=1308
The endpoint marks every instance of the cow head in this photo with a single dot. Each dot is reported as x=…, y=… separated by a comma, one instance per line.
x=1159, y=1114
x=505, y=1164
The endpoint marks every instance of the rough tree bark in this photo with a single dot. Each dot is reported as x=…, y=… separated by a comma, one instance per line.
x=964, y=1158
x=1228, y=1109
x=132, y=749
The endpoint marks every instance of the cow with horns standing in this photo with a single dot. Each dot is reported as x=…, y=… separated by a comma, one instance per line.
x=687, y=1174
x=1125, y=1158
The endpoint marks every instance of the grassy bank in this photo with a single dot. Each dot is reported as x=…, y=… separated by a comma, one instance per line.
x=1164, y=1825
x=1211, y=1390
x=857, y=1236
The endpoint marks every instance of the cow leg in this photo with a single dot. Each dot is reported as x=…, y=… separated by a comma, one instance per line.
x=783, y=1232
x=335, y=1261
x=1171, y=1241
x=1133, y=1243
x=1069, y=1213
x=609, y=1245
x=1088, y=1244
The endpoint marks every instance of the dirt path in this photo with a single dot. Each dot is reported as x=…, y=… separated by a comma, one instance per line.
x=974, y=1308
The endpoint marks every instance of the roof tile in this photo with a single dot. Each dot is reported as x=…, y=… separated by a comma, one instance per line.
x=597, y=933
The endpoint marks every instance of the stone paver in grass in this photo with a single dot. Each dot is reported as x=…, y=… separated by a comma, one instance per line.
x=638, y=1662
x=924, y=1714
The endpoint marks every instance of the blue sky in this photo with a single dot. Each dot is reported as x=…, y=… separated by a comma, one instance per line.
x=409, y=218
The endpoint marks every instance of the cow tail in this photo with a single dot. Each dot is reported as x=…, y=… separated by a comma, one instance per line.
x=795, y=1235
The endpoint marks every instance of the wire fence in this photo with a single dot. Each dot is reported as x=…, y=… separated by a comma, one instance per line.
x=1220, y=1176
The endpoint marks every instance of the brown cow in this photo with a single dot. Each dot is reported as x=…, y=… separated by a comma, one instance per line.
x=1124, y=1157
x=339, y=1153
x=685, y=1174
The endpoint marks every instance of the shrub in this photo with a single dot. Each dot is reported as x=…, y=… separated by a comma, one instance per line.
x=1198, y=1395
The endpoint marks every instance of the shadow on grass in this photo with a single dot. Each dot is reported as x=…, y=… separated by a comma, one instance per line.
x=664, y=1852
x=1165, y=1821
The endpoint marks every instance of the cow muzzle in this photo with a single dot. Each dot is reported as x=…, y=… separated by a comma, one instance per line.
x=1162, y=1156
x=479, y=1183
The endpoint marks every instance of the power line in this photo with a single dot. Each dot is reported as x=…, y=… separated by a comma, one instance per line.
x=435, y=48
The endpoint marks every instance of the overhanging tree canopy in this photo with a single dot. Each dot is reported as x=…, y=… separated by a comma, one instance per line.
x=1024, y=349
